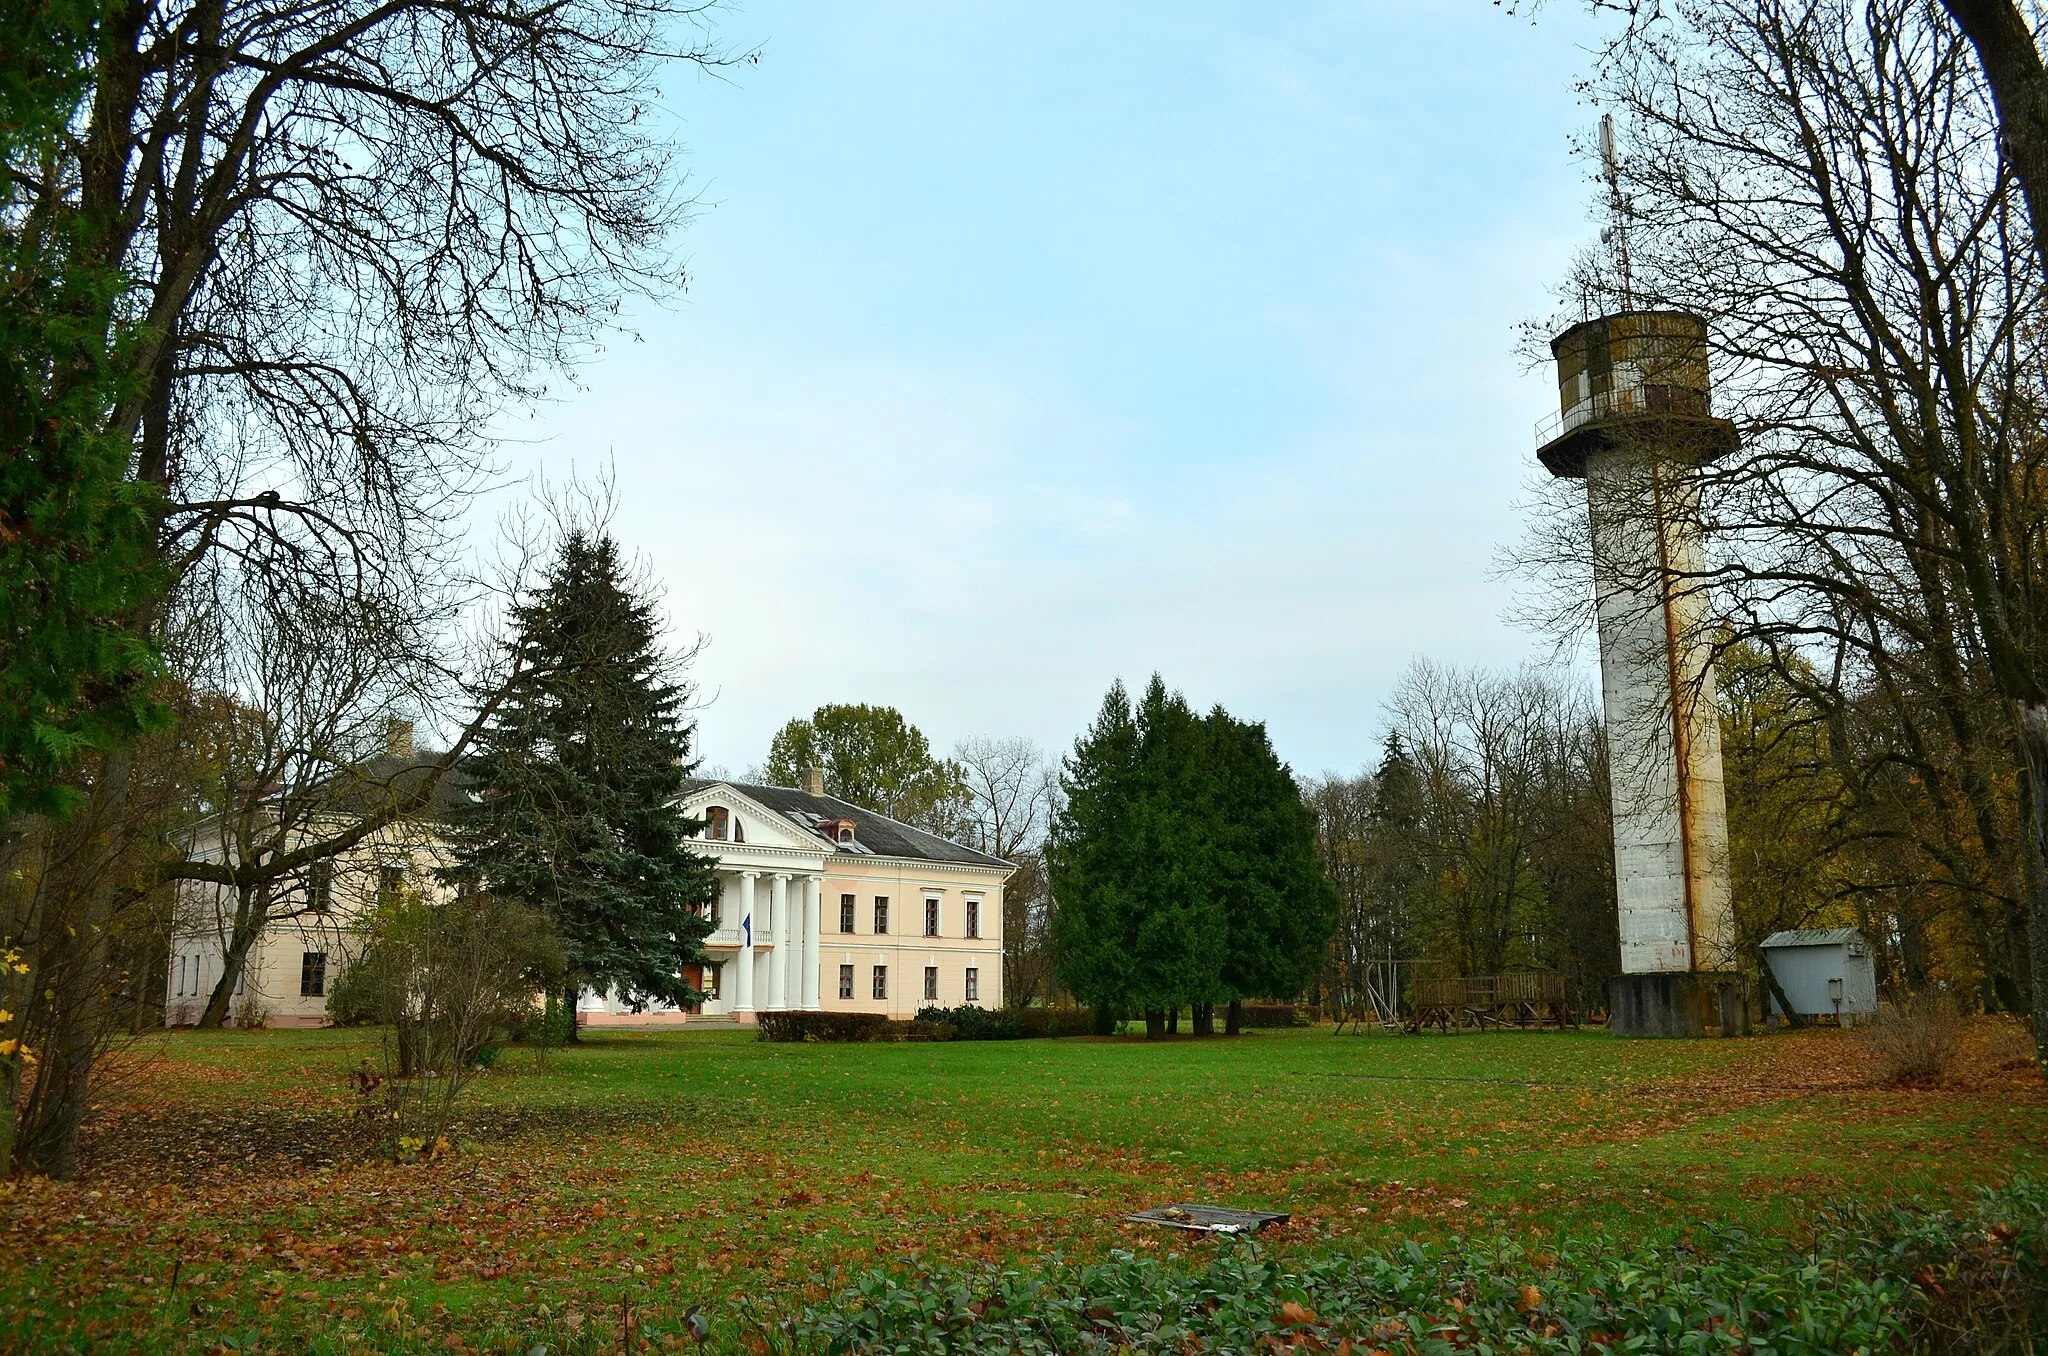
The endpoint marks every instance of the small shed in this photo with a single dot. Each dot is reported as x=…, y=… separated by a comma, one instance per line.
x=1825, y=972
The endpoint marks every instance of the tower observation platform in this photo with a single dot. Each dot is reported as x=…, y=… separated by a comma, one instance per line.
x=1633, y=380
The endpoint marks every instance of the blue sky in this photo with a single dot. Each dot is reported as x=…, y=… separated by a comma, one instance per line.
x=1027, y=347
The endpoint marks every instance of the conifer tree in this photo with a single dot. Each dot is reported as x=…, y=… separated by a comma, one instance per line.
x=1183, y=863
x=1092, y=861
x=572, y=806
x=1278, y=906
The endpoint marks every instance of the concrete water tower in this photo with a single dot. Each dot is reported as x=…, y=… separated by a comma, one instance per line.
x=1635, y=422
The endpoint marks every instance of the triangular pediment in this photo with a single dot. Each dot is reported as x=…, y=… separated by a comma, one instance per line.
x=761, y=826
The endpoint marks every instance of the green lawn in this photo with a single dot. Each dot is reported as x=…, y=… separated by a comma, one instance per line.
x=678, y=1168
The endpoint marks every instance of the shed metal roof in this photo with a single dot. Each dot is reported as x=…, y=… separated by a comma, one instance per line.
x=1813, y=937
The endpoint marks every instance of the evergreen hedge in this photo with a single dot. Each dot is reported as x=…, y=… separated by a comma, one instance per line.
x=852, y=1027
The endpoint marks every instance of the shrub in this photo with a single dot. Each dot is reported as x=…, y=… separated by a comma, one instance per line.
x=450, y=978
x=352, y=997
x=975, y=1024
x=1888, y=1280
x=824, y=1026
x=1054, y=1021
x=2011, y=1043
x=1271, y=1015
x=1917, y=1039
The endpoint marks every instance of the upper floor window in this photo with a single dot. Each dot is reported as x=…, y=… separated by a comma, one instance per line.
x=846, y=916
x=320, y=887
x=390, y=880
x=881, y=913
x=931, y=917
x=973, y=918
x=717, y=823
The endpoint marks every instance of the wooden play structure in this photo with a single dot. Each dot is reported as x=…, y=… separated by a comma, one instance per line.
x=1518, y=999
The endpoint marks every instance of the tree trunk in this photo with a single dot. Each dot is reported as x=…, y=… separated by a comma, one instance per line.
x=1205, y=1019
x=2013, y=68
x=1763, y=969
x=572, y=1029
x=1155, y=1024
x=73, y=974
x=1233, y=1018
x=252, y=910
x=1173, y=1020
x=2033, y=721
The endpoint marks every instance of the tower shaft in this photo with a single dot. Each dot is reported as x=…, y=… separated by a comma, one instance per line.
x=1663, y=730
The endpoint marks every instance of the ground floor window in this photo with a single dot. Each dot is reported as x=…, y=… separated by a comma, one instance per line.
x=881, y=981
x=931, y=981
x=313, y=975
x=712, y=973
x=973, y=984
x=846, y=981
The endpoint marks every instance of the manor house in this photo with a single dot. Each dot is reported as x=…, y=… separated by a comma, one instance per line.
x=822, y=905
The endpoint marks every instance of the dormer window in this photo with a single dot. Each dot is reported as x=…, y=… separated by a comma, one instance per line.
x=846, y=833
x=838, y=830
x=717, y=823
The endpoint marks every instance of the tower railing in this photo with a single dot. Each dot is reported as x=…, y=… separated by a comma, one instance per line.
x=1628, y=401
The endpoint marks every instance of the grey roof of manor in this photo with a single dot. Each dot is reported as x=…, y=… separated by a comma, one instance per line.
x=1814, y=937
x=875, y=834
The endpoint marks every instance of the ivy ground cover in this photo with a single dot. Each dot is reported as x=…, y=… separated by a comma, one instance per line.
x=692, y=1186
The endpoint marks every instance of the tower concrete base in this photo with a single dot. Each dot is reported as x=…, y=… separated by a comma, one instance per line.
x=1679, y=1003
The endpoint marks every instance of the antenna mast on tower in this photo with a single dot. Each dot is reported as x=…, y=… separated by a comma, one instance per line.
x=1616, y=235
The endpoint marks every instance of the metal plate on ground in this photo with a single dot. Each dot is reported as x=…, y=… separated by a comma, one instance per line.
x=1209, y=1219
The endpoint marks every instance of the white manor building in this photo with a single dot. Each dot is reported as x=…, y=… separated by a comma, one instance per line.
x=825, y=906
x=821, y=906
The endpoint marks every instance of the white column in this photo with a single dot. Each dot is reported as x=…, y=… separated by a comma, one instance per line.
x=778, y=931
x=744, y=977
x=814, y=889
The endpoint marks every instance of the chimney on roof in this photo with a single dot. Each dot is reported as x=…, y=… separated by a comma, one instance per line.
x=398, y=738
x=814, y=780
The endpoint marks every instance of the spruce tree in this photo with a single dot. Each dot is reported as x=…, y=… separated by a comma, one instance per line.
x=1183, y=864
x=1092, y=861
x=1278, y=906
x=572, y=804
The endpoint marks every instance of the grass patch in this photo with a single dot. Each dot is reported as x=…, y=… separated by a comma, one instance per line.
x=661, y=1171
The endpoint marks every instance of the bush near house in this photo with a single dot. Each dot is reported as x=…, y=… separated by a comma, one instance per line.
x=1895, y=1279
x=975, y=1024
x=845, y=1027
x=822, y=1026
x=1055, y=1021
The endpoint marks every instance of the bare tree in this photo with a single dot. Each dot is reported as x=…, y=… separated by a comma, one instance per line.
x=1012, y=792
x=357, y=229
